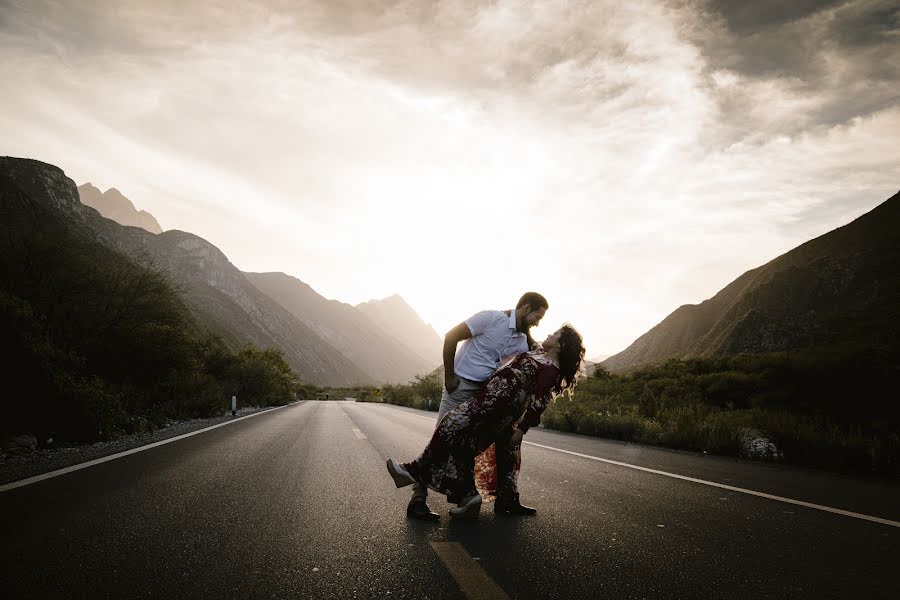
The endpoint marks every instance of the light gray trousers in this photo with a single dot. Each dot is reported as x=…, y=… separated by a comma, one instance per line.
x=466, y=390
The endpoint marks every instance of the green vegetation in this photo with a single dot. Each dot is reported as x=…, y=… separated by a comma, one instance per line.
x=825, y=407
x=423, y=392
x=98, y=345
x=834, y=408
x=363, y=393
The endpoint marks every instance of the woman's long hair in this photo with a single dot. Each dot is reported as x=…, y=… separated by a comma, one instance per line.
x=571, y=355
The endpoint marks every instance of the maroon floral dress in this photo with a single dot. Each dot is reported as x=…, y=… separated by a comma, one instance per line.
x=515, y=396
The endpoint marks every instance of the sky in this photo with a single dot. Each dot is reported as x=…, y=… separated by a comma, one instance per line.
x=622, y=159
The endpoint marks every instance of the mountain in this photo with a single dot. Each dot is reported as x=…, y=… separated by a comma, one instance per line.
x=92, y=341
x=399, y=320
x=221, y=298
x=346, y=328
x=839, y=289
x=233, y=308
x=113, y=205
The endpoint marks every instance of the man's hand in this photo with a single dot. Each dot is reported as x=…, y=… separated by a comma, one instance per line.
x=516, y=438
x=451, y=383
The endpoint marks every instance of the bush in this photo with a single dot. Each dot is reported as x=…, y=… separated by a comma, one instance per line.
x=424, y=392
x=804, y=401
x=115, y=351
x=262, y=377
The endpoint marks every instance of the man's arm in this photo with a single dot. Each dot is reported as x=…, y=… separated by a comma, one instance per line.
x=454, y=336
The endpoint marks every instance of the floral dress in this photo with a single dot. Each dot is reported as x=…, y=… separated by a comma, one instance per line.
x=514, y=396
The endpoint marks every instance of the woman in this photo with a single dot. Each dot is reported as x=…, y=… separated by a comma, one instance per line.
x=512, y=401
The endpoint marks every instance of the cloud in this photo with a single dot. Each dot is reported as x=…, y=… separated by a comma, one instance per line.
x=866, y=24
x=623, y=158
x=745, y=18
x=803, y=64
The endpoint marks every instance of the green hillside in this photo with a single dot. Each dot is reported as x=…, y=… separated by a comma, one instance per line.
x=95, y=344
x=840, y=288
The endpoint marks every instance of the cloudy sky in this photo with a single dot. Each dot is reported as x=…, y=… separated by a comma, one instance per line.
x=623, y=158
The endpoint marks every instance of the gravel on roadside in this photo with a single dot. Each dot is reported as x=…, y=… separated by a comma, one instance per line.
x=14, y=468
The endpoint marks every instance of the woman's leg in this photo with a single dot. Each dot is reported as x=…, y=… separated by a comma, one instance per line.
x=445, y=470
x=508, y=463
x=448, y=462
x=449, y=401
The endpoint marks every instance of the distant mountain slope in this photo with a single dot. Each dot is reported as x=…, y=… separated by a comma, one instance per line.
x=236, y=310
x=93, y=344
x=220, y=296
x=399, y=320
x=842, y=288
x=113, y=205
x=349, y=330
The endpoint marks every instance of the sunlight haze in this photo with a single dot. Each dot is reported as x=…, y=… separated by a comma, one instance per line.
x=621, y=159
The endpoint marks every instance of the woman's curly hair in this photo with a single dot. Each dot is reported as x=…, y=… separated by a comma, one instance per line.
x=571, y=357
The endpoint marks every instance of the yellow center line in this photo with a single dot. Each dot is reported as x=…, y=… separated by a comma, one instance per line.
x=472, y=579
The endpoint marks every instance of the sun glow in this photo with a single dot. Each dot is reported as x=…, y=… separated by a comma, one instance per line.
x=608, y=157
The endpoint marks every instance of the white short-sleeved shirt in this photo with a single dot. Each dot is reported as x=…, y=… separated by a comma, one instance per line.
x=494, y=341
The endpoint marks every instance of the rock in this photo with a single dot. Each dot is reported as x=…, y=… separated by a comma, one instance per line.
x=25, y=440
x=22, y=444
x=756, y=445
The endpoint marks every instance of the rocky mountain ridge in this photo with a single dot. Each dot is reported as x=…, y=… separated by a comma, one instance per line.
x=840, y=288
x=374, y=350
x=399, y=320
x=223, y=300
x=346, y=328
x=113, y=205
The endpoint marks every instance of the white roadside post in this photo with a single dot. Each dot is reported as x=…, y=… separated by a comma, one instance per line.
x=233, y=405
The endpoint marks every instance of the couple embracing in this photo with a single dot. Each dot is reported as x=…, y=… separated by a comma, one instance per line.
x=495, y=388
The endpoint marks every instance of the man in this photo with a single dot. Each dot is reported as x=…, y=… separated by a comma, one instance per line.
x=490, y=338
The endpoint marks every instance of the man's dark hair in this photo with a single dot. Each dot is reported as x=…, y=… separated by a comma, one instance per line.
x=534, y=300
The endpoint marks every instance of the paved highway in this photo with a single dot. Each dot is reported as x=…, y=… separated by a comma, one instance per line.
x=296, y=503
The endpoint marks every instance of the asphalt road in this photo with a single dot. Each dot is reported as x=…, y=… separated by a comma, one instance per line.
x=296, y=503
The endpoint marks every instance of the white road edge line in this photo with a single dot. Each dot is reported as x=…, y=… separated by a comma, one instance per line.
x=103, y=459
x=359, y=433
x=723, y=486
